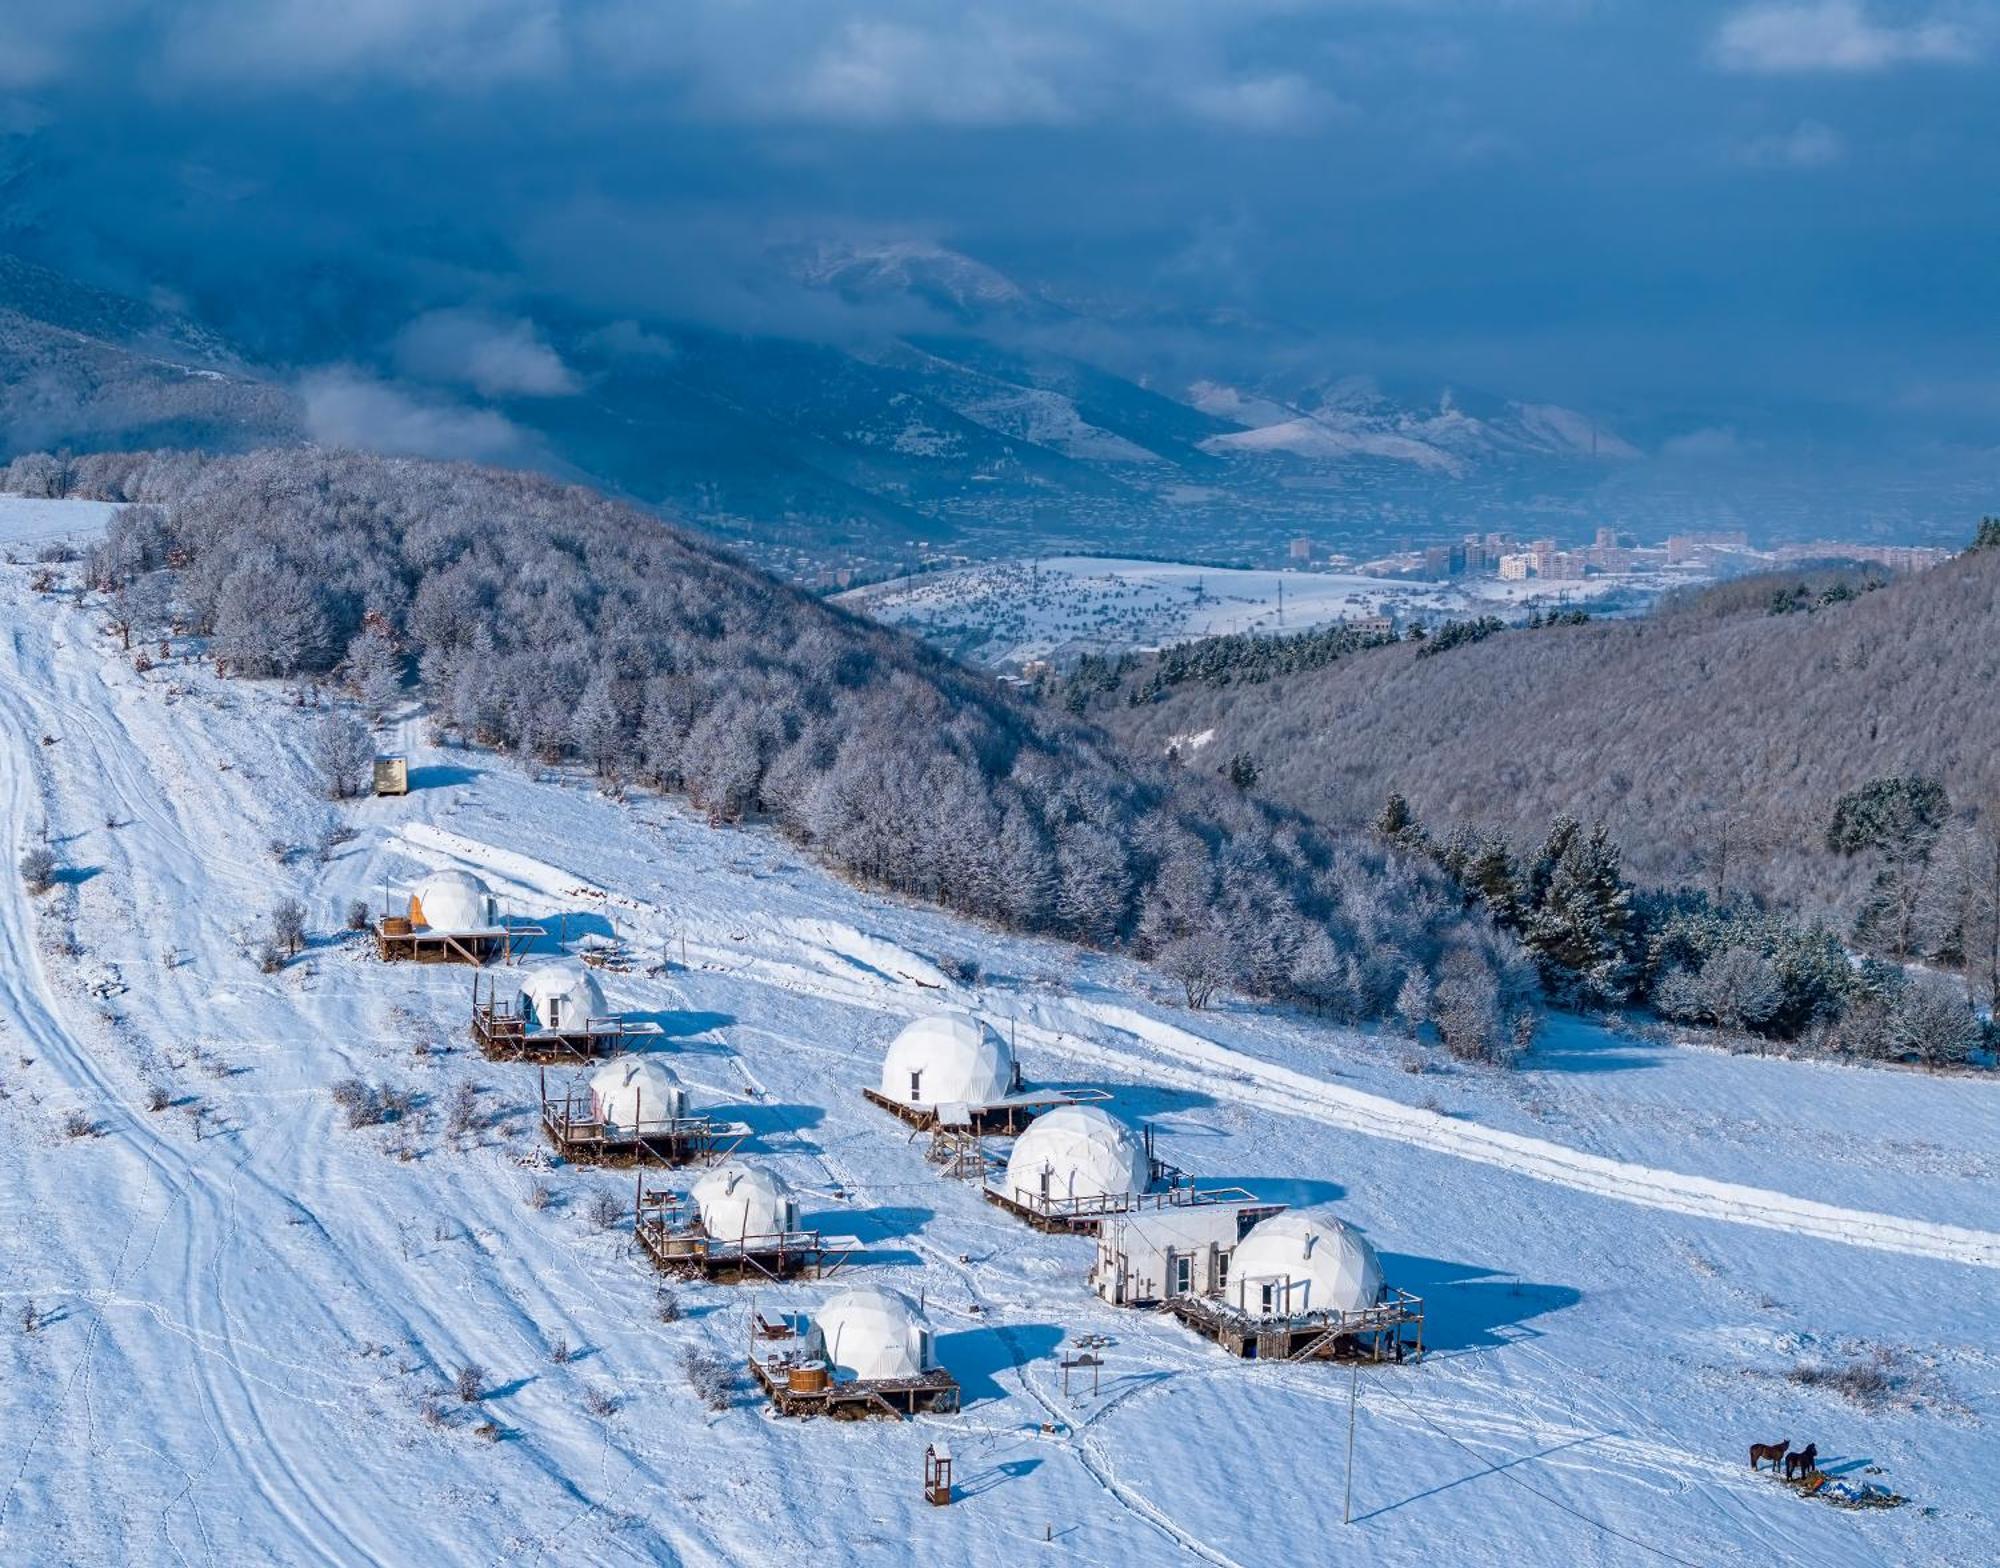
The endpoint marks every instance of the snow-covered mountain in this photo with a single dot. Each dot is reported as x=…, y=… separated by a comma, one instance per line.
x=237, y=1322
x=1353, y=419
x=918, y=400
x=85, y=367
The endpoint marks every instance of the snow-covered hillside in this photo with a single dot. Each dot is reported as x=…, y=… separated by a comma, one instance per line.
x=250, y=1316
x=1007, y=613
x=28, y=525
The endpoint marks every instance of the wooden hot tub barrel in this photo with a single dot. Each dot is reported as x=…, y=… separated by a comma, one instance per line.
x=807, y=1377
x=396, y=925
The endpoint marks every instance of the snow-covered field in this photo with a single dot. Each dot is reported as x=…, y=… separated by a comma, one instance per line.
x=1625, y=1248
x=26, y=523
x=1007, y=613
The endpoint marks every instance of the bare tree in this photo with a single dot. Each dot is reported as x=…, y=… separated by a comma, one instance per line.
x=288, y=925
x=344, y=751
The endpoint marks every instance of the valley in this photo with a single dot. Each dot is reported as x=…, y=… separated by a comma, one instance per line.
x=249, y=1319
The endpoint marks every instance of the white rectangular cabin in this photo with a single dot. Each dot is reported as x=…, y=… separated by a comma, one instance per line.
x=1152, y=1255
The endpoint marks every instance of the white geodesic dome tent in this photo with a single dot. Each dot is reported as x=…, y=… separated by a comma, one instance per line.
x=453, y=901
x=1078, y=1152
x=948, y=1059
x=560, y=996
x=631, y=1094
x=871, y=1333
x=1304, y=1260
x=738, y=1201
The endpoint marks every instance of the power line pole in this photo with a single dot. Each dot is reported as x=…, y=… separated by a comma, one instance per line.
x=1353, y=1397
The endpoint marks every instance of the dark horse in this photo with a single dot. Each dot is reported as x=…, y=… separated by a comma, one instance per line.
x=1775, y=1452
x=1804, y=1462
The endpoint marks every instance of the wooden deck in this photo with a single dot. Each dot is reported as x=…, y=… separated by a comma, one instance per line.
x=503, y=1035
x=1390, y=1332
x=1084, y=1215
x=896, y=1398
x=425, y=946
x=670, y=1232
x=685, y=1140
x=999, y=1119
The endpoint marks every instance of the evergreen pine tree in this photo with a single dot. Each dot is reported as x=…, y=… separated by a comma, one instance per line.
x=1399, y=825
x=1492, y=874
x=1581, y=927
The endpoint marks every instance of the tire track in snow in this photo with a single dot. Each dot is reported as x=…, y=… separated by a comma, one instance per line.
x=1220, y=1070
x=33, y=1003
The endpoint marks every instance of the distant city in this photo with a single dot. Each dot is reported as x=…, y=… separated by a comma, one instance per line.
x=1500, y=556
x=1609, y=554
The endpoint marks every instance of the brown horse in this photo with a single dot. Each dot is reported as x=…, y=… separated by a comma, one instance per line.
x=1804, y=1462
x=1775, y=1452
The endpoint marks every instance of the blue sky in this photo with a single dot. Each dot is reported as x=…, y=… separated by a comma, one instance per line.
x=1717, y=212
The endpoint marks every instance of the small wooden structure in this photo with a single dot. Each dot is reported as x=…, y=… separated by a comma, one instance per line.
x=392, y=776
x=504, y=1032
x=1003, y=1116
x=1392, y=1330
x=798, y=1384
x=573, y=1127
x=937, y=1474
x=1149, y=1255
x=958, y=1152
x=669, y=1228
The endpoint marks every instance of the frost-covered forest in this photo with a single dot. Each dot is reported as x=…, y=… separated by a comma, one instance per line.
x=1715, y=738
x=554, y=624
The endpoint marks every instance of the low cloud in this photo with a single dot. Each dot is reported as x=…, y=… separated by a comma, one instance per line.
x=1789, y=37
x=985, y=73
x=1708, y=445
x=346, y=407
x=444, y=43
x=1808, y=145
x=1281, y=103
x=494, y=355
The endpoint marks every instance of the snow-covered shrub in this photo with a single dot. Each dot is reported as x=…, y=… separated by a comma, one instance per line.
x=464, y=1118
x=359, y=916
x=78, y=1125
x=711, y=1377
x=605, y=1209
x=470, y=1383
x=959, y=968
x=38, y=868
x=1932, y=1021
x=365, y=1104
